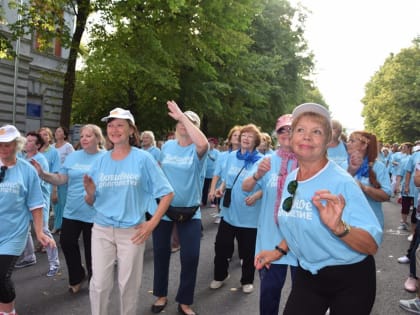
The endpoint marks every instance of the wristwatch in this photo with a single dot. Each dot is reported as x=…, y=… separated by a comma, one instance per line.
x=346, y=231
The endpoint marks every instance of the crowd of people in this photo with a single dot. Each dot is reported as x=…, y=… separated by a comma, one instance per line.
x=311, y=205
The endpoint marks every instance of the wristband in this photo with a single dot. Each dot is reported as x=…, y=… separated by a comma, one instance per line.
x=255, y=177
x=281, y=250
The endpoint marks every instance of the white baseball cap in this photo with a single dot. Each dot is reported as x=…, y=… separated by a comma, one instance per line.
x=193, y=117
x=311, y=107
x=119, y=113
x=8, y=133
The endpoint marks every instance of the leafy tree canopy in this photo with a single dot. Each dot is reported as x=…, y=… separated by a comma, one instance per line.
x=392, y=97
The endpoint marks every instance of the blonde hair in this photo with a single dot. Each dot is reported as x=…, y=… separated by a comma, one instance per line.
x=97, y=132
x=150, y=134
x=49, y=132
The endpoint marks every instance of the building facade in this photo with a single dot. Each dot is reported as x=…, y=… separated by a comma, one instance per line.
x=31, y=85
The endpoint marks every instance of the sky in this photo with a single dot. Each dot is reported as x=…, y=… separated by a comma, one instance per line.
x=351, y=41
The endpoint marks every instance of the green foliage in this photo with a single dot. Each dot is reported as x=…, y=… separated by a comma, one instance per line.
x=46, y=18
x=231, y=62
x=392, y=97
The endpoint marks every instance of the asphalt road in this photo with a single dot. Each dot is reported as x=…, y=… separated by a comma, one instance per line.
x=37, y=294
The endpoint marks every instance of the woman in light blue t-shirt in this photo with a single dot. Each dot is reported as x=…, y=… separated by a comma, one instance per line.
x=77, y=215
x=184, y=164
x=269, y=174
x=239, y=218
x=369, y=172
x=20, y=198
x=327, y=223
x=122, y=186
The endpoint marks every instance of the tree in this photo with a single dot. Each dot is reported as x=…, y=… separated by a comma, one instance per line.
x=392, y=97
x=231, y=62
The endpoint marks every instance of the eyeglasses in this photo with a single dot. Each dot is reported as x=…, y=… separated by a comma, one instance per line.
x=284, y=130
x=2, y=172
x=288, y=202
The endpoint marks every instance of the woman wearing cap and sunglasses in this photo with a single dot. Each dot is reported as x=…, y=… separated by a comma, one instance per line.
x=122, y=185
x=20, y=194
x=184, y=163
x=270, y=176
x=326, y=221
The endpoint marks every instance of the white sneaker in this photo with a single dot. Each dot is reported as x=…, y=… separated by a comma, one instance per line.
x=217, y=220
x=410, y=238
x=413, y=305
x=214, y=284
x=404, y=260
x=403, y=226
x=247, y=288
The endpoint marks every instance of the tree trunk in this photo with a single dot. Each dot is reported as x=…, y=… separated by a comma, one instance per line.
x=83, y=11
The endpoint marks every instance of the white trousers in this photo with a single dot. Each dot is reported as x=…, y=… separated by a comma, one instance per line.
x=108, y=245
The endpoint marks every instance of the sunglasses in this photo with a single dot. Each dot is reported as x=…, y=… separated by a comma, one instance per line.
x=2, y=172
x=288, y=202
x=284, y=130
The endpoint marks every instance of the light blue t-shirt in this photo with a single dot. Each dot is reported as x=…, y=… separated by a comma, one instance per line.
x=268, y=235
x=220, y=163
x=239, y=214
x=185, y=171
x=212, y=157
x=155, y=152
x=308, y=238
x=45, y=186
x=410, y=166
x=76, y=165
x=53, y=158
x=20, y=192
x=383, y=179
x=339, y=155
x=396, y=157
x=126, y=188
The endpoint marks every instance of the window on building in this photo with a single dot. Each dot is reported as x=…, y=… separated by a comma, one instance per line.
x=53, y=48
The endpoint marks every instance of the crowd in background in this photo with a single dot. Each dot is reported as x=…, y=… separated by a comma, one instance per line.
x=276, y=202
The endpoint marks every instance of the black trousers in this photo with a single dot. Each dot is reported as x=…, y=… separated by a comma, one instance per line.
x=224, y=247
x=344, y=289
x=7, y=288
x=206, y=187
x=69, y=240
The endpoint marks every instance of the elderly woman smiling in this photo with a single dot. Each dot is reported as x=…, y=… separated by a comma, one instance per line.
x=327, y=223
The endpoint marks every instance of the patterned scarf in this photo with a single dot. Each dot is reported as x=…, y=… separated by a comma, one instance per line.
x=248, y=157
x=285, y=157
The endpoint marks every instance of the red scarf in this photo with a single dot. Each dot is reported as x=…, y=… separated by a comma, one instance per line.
x=285, y=157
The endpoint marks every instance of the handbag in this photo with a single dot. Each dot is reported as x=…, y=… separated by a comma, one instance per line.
x=227, y=196
x=181, y=214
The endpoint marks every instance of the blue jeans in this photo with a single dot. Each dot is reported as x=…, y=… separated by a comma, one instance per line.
x=271, y=283
x=189, y=234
